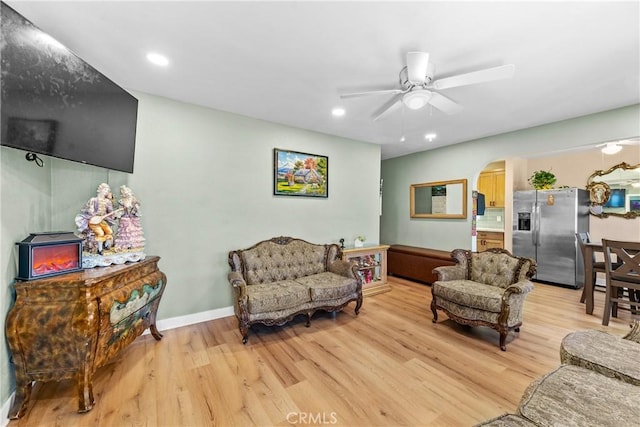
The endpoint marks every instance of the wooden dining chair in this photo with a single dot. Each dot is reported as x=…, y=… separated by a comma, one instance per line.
x=621, y=276
x=598, y=266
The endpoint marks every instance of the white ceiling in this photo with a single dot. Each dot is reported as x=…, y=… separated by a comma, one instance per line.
x=287, y=62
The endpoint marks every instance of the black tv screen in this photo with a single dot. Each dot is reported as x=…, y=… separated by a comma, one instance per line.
x=56, y=104
x=616, y=198
x=481, y=204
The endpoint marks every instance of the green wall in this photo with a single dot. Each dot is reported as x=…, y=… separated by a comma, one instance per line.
x=25, y=206
x=466, y=160
x=204, y=178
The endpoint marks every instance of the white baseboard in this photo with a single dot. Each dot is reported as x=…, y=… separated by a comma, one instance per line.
x=191, y=319
x=162, y=325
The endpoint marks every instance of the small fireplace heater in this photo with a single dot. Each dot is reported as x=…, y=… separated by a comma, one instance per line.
x=48, y=254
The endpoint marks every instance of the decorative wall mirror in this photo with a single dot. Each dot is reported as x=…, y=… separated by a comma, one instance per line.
x=442, y=199
x=615, y=191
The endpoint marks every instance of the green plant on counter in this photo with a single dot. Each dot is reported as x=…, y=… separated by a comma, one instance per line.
x=542, y=180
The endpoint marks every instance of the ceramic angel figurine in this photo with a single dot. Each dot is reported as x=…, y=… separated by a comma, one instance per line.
x=95, y=221
x=129, y=236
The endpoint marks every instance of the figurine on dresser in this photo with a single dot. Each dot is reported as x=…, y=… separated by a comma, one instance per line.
x=96, y=223
x=129, y=236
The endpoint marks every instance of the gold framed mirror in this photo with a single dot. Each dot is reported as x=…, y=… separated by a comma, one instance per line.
x=615, y=191
x=440, y=199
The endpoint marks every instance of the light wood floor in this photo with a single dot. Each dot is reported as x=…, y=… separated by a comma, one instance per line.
x=390, y=366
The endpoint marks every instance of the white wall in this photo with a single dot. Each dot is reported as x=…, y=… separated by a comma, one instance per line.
x=204, y=178
x=467, y=159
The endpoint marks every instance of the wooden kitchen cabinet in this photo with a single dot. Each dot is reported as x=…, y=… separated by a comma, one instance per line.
x=490, y=239
x=491, y=184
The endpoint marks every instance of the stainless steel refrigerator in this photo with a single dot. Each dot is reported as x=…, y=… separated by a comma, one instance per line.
x=545, y=223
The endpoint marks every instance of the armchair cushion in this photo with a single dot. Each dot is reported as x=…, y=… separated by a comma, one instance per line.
x=470, y=294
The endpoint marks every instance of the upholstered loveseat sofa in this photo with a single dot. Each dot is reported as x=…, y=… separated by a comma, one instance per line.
x=484, y=289
x=275, y=280
x=598, y=384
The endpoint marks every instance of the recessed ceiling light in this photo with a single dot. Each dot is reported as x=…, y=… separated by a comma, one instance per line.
x=338, y=112
x=402, y=139
x=430, y=136
x=157, y=59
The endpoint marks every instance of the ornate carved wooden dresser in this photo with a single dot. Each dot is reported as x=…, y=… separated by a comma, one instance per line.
x=67, y=326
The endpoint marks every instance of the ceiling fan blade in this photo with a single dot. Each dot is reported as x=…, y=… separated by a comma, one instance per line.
x=481, y=76
x=387, y=106
x=444, y=104
x=371, y=92
x=417, y=63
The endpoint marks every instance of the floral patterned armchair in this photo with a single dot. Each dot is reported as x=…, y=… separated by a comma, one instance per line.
x=484, y=289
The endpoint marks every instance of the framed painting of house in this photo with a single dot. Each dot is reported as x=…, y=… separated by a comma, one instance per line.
x=300, y=174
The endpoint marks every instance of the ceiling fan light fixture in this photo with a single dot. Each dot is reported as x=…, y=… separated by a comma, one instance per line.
x=416, y=99
x=611, y=148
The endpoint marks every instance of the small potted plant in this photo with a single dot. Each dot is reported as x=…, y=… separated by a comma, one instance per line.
x=542, y=180
x=359, y=241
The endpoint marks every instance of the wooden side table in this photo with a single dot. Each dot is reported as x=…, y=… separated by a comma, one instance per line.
x=372, y=267
x=67, y=326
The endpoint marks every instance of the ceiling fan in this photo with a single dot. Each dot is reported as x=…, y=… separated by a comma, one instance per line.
x=613, y=147
x=418, y=88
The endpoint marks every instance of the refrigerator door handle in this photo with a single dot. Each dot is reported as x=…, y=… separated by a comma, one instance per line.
x=534, y=240
x=537, y=218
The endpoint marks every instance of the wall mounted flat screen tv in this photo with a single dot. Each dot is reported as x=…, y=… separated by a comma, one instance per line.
x=54, y=103
x=616, y=199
